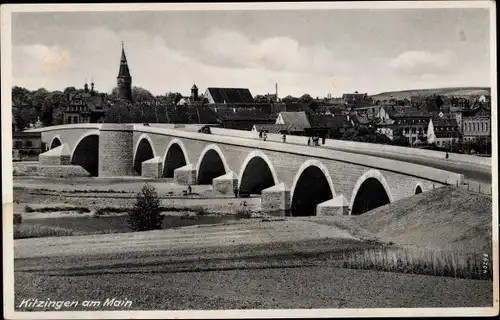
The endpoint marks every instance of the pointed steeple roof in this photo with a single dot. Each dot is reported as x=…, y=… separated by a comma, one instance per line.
x=124, y=71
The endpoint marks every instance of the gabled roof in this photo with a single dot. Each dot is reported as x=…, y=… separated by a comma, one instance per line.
x=231, y=95
x=295, y=121
x=329, y=122
x=445, y=121
x=271, y=127
x=241, y=114
x=400, y=111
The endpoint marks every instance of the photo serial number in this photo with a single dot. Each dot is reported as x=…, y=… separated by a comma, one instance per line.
x=60, y=304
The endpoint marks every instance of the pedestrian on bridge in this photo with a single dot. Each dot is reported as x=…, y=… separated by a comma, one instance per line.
x=309, y=141
x=284, y=138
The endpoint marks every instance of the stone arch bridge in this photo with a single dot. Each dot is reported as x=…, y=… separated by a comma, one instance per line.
x=301, y=180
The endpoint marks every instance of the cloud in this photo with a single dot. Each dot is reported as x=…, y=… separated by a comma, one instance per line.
x=38, y=64
x=229, y=48
x=423, y=62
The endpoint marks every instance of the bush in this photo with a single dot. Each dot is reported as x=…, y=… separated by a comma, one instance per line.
x=200, y=211
x=146, y=213
x=243, y=214
x=28, y=209
x=18, y=218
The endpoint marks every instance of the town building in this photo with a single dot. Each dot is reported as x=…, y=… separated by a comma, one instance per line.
x=328, y=126
x=85, y=107
x=295, y=122
x=443, y=131
x=359, y=99
x=241, y=118
x=26, y=145
x=476, y=124
x=232, y=96
x=408, y=122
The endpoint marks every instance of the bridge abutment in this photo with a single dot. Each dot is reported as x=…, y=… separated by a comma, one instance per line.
x=276, y=200
x=116, y=147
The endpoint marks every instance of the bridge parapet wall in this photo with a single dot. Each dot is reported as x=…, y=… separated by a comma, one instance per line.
x=354, y=145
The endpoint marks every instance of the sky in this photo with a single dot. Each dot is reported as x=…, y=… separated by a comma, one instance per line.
x=319, y=52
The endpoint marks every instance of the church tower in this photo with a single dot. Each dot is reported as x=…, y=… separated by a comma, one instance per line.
x=124, y=80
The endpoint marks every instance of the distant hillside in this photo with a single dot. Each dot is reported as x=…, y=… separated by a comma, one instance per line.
x=467, y=91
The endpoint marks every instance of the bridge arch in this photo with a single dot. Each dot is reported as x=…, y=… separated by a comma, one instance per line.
x=256, y=174
x=211, y=164
x=371, y=191
x=144, y=150
x=175, y=157
x=311, y=186
x=418, y=188
x=86, y=152
x=55, y=142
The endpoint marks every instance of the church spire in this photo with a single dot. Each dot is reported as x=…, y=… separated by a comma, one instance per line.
x=124, y=71
x=124, y=80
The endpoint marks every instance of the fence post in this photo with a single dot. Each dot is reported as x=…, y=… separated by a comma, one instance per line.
x=479, y=188
x=433, y=186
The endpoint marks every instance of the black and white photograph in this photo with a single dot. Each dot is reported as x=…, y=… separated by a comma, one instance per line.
x=236, y=160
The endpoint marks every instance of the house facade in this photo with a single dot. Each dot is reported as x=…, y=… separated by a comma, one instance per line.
x=443, y=131
x=405, y=121
x=84, y=107
x=476, y=125
x=26, y=145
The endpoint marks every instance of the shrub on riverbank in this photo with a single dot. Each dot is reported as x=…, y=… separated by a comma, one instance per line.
x=146, y=213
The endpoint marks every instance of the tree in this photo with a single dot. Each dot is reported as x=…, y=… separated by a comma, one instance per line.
x=119, y=112
x=141, y=95
x=39, y=98
x=289, y=100
x=401, y=140
x=69, y=90
x=53, y=105
x=146, y=213
x=173, y=98
x=24, y=116
x=350, y=134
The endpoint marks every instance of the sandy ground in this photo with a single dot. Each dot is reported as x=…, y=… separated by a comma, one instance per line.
x=95, y=193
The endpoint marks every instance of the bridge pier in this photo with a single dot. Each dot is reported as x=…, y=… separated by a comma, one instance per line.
x=276, y=200
x=336, y=206
x=116, y=148
x=152, y=168
x=225, y=184
x=185, y=175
